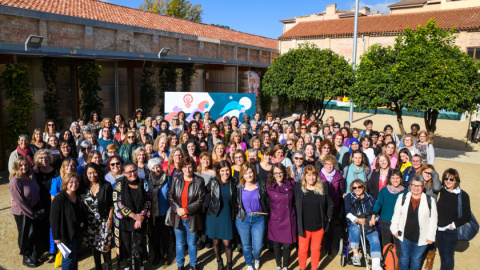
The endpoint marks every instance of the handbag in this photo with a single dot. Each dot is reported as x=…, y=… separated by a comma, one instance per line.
x=39, y=211
x=467, y=231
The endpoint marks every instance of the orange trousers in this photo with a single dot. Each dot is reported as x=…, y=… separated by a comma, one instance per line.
x=315, y=238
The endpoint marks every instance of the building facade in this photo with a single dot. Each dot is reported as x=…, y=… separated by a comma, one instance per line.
x=122, y=40
x=333, y=28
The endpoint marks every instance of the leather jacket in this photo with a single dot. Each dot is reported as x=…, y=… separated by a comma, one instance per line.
x=215, y=198
x=262, y=197
x=196, y=196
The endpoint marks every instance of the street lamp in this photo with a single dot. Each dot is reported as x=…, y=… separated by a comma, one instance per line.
x=33, y=42
x=355, y=30
x=163, y=52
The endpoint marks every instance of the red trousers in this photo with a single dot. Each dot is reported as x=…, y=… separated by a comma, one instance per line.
x=315, y=238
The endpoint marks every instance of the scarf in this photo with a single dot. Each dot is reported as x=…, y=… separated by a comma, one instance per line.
x=298, y=175
x=328, y=176
x=354, y=173
x=26, y=153
x=156, y=185
x=352, y=140
x=404, y=166
x=127, y=198
x=396, y=190
x=276, y=160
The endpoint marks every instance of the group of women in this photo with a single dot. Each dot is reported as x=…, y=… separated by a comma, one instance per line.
x=109, y=183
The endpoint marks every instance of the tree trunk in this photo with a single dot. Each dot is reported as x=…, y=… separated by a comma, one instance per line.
x=398, y=110
x=430, y=118
x=319, y=108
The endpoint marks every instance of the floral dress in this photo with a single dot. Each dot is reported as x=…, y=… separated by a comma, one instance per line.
x=98, y=235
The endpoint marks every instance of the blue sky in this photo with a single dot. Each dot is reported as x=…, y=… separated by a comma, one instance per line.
x=261, y=17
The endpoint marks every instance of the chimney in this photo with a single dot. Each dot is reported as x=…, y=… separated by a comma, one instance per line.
x=376, y=12
x=331, y=9
x=365, y=11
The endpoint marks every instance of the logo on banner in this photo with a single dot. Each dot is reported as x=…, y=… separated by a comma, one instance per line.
x=188, y=99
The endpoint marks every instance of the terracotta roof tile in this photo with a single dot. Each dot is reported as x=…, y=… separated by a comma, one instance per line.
x=101, y=11
x=463, y=19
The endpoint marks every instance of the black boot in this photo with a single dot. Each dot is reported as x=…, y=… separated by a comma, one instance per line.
x=107, y=259
x=220, y=264
x=97, y=258
x=28, y=261
x=229, y=266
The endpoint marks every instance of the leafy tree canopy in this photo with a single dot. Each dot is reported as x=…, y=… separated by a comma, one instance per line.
x=309, y=75
x=183, y=9
x=424, y=71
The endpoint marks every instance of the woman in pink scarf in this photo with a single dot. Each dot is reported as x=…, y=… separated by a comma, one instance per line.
x=23, y=149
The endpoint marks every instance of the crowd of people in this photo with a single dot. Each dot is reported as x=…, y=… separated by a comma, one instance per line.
x=247, y=185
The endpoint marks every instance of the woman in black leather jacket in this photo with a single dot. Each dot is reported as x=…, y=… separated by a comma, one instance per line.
x=251, y=212
x=221, y=193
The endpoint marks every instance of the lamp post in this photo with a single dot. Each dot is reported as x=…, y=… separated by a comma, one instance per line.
x=355, y=30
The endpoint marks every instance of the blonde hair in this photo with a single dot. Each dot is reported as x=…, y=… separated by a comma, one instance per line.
x=236, y=133
x=65, y=163
x=137, y=152
x=39, y=153
x=428, y=139
x=15, y=172
x=157, y=141
x=172, y=153
x=67, y=179
x=318, y=183
x=215, y=157
x=207, y=155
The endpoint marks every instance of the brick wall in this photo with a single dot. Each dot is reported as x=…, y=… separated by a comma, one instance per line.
x=254, y=55
x=65, y=35
x=17, y=29
x=143, y=43
x=226, y=52
x=242, y=54
x=189, y=47
x=104, y=39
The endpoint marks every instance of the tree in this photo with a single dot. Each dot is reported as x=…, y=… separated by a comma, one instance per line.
x=88, y=75
x=147, y=90
x=377, y=84
x=183, y=9
x=221, y=26
x=14, y=80
x=51, y=97
x=439, y=75
x=167, y=79
x=424, y=71
x=309, y=75
x=186, y=76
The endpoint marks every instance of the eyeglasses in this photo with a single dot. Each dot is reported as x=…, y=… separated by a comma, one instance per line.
x=239, y=157
x=289, y=144
x=357, y=187
x=449, y=179
x=326, y=147
x=51, y=125
x=303, y=128
x=278, y=173
x=298, y=158
x=336, y=127
x=114, y=164
x=131, y=137
x=131, y=172
x=416, y=186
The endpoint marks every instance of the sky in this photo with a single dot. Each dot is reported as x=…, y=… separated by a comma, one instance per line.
x=261, y=17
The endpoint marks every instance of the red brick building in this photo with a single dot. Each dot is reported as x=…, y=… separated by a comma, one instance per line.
x=120, y=39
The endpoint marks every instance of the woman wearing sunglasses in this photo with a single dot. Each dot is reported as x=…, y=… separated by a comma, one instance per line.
x=449, y=219
x=129, y=146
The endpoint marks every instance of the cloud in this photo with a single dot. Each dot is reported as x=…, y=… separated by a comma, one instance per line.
x=381, y=7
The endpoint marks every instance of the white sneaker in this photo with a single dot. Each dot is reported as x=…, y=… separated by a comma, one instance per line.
x=278, y=268
x=250, y=267
x=257, y=264
x=356, y=260
x=284, y=268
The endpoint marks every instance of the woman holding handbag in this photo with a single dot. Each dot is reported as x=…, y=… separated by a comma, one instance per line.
x=25, y=194
x=449, y=219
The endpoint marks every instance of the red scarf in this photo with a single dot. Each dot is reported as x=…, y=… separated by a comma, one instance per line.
x=26, y=153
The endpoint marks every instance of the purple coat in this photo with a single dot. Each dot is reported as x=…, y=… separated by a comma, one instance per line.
x=282, y=224
x=335, y=189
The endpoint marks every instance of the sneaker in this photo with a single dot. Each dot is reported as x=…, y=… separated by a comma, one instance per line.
x=284, y=268
x=250, y=267
x=257, y=264
x=278, y=268
x=356, y=260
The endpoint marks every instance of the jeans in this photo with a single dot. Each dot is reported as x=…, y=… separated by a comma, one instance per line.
x=71, y=263
x=182, y=235
x=447, y=243
x=354, y=236
x=315, y=238
x=251, y=231
x=411, y=255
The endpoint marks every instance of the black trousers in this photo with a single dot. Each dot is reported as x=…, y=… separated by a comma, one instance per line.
x=386, y=236
x=160, y=236
x=279, y=253
x=28, y=240
x=128, y=239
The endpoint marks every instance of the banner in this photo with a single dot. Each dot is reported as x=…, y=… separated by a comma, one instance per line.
x=254, y=82
x=218, y=104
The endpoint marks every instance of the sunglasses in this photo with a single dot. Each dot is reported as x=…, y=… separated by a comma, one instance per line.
x=51, y=125
x=449, y=179
x=131, y=137
x=357, y=187
x=298, y=158
x=114, y=164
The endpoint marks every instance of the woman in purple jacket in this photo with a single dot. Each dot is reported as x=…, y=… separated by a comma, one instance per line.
x=282, y=225
x=336, y=187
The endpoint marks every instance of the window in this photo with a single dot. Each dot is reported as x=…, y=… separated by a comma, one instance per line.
x=474, y=52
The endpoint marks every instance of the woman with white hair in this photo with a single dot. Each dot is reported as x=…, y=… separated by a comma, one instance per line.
x=159, y=186
x=84, y=148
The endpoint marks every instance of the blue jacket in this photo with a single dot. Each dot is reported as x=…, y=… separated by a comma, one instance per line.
x=367, y=204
